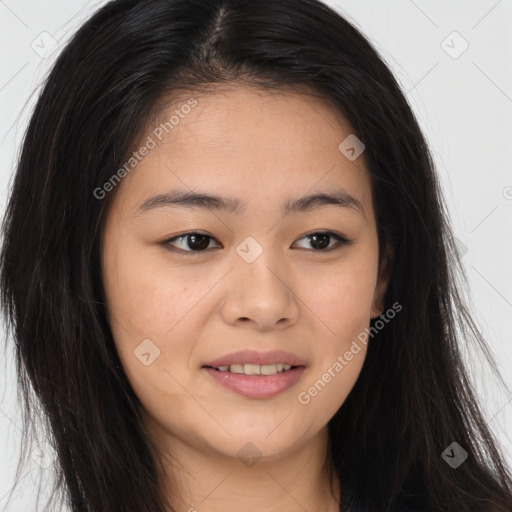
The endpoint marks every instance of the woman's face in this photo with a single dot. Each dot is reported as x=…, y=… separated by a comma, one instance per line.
x=253, y=280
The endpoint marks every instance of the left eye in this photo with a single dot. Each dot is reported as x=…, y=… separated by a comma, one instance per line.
x=320, y=240
x=199, y=242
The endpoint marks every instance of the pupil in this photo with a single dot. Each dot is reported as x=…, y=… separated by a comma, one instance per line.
x=203, y=238
x=323, y=245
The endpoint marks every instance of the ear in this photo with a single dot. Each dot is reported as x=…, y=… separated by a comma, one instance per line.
x=382, y=282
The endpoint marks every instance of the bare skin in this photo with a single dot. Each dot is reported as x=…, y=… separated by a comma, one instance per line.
x=263, y=149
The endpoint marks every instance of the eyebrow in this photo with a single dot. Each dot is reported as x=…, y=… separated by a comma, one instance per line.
x=203, y=201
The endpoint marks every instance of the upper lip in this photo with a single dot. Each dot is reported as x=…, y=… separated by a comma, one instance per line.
x=254, y=357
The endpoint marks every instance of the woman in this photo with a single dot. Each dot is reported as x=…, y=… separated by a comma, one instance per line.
x=229, y=275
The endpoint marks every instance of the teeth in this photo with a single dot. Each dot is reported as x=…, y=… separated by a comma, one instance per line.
x=255, y=369
x=252, y=369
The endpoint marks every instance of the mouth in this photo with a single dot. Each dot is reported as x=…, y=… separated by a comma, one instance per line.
x=256, y=375
x=254, y=381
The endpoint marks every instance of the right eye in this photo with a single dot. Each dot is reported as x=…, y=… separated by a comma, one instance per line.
x=197, y=242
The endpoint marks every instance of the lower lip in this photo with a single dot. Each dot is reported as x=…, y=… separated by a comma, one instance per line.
x=257, y=386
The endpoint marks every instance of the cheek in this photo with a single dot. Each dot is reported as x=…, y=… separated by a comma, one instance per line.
x=148, y=297
x=344, y=310
x=342, y=301
x=326, y=390
x=150, y=318
x=151, y=311
x=343, y=298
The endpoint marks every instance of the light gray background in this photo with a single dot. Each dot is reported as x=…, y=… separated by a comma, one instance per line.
x=463, y=101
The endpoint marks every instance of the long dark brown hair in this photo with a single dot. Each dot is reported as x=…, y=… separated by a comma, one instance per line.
x=413, y=398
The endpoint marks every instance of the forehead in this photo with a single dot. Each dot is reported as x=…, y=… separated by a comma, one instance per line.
x=246, y=119
x=247, y=143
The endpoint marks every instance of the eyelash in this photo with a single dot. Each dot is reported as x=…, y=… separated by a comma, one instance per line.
x=341, y=241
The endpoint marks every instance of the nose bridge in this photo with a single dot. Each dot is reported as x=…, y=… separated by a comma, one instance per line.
x=258, y=262
x=260, y=291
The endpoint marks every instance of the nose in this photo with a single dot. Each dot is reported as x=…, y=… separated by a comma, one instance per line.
x=261, y=294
